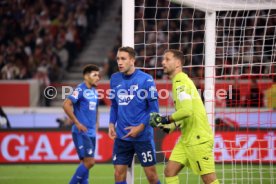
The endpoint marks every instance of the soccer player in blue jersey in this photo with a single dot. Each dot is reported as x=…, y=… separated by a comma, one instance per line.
x=82, y=108
x=134, y=97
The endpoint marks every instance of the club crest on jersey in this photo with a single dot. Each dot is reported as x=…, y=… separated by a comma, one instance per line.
x=124, y=99
x=134, y=87
x=89, y=151
x=152, y=88
x=180, y=89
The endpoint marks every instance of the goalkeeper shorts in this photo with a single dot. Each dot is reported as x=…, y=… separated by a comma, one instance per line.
x=200, y=158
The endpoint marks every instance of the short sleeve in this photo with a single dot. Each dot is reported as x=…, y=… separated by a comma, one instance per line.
x=76, y=95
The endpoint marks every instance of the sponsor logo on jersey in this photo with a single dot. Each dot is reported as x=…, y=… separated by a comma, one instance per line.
x=88, y=94
x=125, y=99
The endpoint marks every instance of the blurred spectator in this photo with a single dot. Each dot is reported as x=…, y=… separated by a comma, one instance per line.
x=42, y=76
x=4, y=121
x=255, y=97
x=10, y=71
x=111, y=65
x=63, y=55
x=270, y=95
x=64, y=123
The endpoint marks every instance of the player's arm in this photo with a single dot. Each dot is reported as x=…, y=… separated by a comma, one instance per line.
x=112, y=114
x=97, y=119
x=152, y=99
x=68, y=109
x=185, y=110
x=170, y=122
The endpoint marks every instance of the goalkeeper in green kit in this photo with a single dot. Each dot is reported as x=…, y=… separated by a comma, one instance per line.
x=195, y=147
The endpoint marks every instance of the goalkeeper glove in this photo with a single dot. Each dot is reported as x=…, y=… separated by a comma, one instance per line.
x=168, y=128
x=156, y=119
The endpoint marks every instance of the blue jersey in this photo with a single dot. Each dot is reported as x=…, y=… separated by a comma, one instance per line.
x=85, y=104
x=133, y=97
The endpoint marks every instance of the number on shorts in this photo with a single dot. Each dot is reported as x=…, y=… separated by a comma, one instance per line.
x=147, y=157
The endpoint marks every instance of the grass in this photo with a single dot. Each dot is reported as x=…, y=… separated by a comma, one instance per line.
x=103, y=174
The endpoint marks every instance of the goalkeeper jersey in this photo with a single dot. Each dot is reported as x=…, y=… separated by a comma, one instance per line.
x=190, y=110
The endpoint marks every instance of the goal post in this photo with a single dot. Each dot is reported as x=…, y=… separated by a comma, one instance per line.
x=128, y=40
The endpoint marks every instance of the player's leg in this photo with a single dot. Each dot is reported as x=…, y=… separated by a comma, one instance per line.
x=151, y=174
x=120, y=174
x=171, y=172
x=123, y=152
x=210, y=178
x=88, y=160
x=201, y=159
x=176, y=162
x=81, y=171
x=85, y=150
x=145, y=151
x=85, y=179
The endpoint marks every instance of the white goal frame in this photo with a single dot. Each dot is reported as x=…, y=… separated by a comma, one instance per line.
x=128, y=12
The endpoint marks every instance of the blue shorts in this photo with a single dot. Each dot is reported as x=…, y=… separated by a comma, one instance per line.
x=123, y=152
x=84, y=144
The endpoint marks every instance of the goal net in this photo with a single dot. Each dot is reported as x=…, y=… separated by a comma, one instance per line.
x=230, y=54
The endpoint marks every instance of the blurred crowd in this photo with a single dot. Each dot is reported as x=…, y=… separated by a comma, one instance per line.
x=41, y=38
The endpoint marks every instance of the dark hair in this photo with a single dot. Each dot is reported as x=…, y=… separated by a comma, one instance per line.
x=177, y=54
x=129, y=50
x=89, y=68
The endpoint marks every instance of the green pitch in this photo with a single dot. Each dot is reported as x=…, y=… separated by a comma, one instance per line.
x=103, y=174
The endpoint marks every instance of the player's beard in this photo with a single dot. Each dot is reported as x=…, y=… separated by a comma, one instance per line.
x=93, y=82
x=126, y=70
x=166, y=71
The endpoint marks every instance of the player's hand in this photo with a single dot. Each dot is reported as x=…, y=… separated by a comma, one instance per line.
x=81, y=127
x=111, y=131
x=156, y=119
x=168, y=128
x=134, y=130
